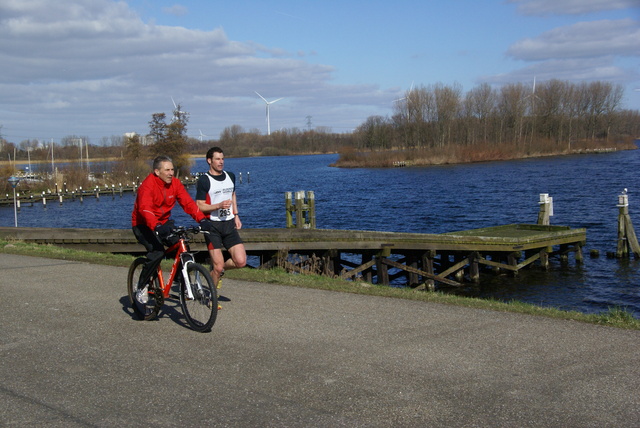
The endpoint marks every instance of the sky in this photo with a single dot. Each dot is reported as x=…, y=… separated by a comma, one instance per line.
x=99, y=68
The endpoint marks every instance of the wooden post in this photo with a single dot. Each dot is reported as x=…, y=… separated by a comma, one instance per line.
x=311, y=209
x=299, y=204
x=627, y=239
x=544, y=259
x=289, y=209
x=474, y=268
x=546, y=209
x=382, y=272
x=512, y=259
x=367, y=274
x=411, y=260
x=578, y=253
x=427, y=266
x=304, y=208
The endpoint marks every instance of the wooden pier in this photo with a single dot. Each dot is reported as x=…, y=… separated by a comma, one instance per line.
x=414, y=259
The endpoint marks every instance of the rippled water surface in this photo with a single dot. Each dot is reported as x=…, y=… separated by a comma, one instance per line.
x=439, y=199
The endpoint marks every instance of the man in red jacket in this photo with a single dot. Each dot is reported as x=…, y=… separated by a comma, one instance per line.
x=156, y=197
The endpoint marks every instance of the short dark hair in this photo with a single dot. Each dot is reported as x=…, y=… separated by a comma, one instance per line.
x=213, y=150
x=159, y=159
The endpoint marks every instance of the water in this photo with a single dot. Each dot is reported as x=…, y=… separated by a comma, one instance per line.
x=432, y=200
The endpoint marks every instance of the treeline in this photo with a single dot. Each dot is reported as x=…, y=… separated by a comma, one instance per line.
x=557, y=112
x=237, y=142
x=430, y=124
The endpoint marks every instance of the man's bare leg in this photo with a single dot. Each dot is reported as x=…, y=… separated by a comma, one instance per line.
x=217, y=264
x=238, y=260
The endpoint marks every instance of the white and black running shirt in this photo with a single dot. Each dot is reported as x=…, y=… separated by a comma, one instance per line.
x=214, y=189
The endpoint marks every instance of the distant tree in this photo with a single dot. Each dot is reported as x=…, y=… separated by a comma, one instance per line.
x=116, y=140
x=172, y=140
x=158, y=127
x=133, y=150
x=374, y=133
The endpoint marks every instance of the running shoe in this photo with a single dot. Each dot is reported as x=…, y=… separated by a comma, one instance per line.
x=219, y=284
x=143, y=295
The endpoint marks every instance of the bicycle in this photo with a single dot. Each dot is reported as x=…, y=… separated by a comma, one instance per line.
x=198, y=296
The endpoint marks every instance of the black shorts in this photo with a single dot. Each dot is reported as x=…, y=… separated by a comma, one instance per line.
x=224, y=233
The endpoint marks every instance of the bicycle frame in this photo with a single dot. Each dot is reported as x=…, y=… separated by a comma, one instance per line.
x=182, y=258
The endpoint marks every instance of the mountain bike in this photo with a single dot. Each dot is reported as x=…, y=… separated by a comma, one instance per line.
x=198, y=296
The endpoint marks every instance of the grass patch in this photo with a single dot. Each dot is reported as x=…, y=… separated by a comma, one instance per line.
x=54, y=252
x=614, y=317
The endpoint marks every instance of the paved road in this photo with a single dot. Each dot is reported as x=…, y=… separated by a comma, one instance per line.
x=72, y=355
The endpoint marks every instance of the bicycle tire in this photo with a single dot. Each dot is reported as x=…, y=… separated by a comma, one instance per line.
x=201, y=311
x=149, y=309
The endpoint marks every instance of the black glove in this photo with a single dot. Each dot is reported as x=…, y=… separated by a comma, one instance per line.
x=164, y=230
x=206, y=225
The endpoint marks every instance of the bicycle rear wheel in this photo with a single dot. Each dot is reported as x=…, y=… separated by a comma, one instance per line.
x=200, y=311
x=146, y=300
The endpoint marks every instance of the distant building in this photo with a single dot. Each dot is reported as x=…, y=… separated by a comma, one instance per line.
x=145, y=140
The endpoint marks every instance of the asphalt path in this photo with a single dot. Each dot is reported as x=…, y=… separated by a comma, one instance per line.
x=72, y=354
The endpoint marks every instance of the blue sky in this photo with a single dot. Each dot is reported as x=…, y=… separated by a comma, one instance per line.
x=100, y=68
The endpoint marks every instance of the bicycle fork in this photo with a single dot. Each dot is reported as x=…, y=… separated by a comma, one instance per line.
x=187, y=259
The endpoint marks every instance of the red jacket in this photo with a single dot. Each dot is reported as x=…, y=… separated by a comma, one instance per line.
x=156, y=198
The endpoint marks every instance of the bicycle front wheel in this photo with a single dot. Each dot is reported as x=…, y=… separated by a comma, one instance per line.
x=146, y=299
x=201, y=309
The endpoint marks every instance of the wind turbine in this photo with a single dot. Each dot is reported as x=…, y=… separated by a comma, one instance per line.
x=533, y=95
x=268, y=103
x=202, y=135
x=408, y=93
x=176, y=110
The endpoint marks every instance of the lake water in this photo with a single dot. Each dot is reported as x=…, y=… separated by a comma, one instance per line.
x=437, y=199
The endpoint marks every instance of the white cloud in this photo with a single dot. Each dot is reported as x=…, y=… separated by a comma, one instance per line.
x=94, y=68
x=570, y=7
x=574, y=69
x=581, y=40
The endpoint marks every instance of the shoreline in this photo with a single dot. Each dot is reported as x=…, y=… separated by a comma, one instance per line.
x=394, y=158
x=426, y=157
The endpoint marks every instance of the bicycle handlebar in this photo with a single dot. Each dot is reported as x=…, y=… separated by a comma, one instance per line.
x=184, y=232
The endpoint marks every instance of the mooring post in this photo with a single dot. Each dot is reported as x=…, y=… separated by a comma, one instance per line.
x=299, y=203
x=546, y=209
x=627, y=239
x=289, y=208
x=311, y=209
x=304, y=208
